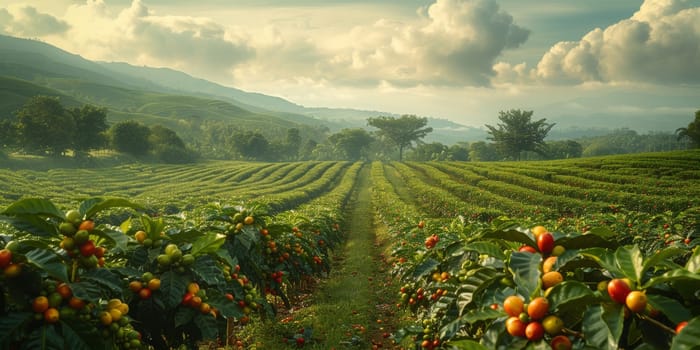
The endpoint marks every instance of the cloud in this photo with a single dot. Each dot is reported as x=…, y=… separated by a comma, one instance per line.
x=455, y=42
x=135, y=34
x=26, y=21
x=660, y=43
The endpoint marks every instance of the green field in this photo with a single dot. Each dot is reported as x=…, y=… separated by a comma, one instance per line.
x=257, y=234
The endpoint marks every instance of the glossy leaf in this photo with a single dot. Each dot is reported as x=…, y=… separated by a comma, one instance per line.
x=34, y=206
x=173, y=287
x=567, y=293
x=689, y=337
x=602, y=326
x=49, y=262
x=92, y=206
x=673, y=309
x=478, y=279
x=526, y=272
x=208, y=244
x=630, y=262
x=465, y=344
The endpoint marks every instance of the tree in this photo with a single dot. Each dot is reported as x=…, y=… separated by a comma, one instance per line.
x=517, y=133
x=167, y=146
x=564, y=149
x=45, y=126
x=90, y=124
x=251, y=145
x=401, y=131
x=350, y=144
x=131, y=137
x=292, y=143
x=482, y=151
x=429, y=151
x=8, y=133
x=459, y=152
x=692, y=132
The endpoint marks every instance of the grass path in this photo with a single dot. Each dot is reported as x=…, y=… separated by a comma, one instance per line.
x=354, y=307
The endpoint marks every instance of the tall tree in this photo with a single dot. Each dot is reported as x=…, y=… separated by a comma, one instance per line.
x=692, y=132
x=45, y=126
x=251, y=145
x=292, y=143
x=401, y=131
x=131, y=137
x=90, y=124
x=518, y=133
x=350, y=144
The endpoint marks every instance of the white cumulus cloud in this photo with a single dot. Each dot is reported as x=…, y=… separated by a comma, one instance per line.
x=660, y=43
x=27, y=21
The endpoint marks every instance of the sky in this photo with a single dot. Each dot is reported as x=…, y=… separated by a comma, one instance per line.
x=595, y=63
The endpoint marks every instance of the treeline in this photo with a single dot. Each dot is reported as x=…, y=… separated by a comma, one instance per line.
x=43, y=126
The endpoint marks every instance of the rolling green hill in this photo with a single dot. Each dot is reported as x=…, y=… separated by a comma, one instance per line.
x=164, y=96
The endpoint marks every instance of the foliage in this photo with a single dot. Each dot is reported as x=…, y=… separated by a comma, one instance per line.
x=153, y=282
x=91, y=125
x=350, y=144
x=130, y=137
x=692, y=131
x=457, y=274
x=517, y=133
x=401, y=131
x=45, y=126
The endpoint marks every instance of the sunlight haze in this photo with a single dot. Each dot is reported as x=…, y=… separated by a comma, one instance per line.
x=594, y=63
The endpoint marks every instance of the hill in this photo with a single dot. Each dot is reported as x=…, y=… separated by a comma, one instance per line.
x=166, y=96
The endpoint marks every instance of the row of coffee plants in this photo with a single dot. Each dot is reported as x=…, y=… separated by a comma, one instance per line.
x=76, y=279
x=178, y=186
x=516, y=284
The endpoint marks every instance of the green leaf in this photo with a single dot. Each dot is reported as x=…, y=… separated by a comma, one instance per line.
x=477, y=280
x=589, y=240
x=449, y=330
x=92, y=206
x=48, y=261
x=602, y=231
x=689, y=337
x=425, y=267
x=630, y=261
x=34, y=206
x=512, y=235
x=86, y=290
x=125, y=226
x=526, y=272
x=602, y=326
x=568, y=293
x=207, y=326
x=226, y=307
x=693, y=264
x=119, y=239
x=673, y=276
x=672, y=308
x=33, y=224
x=81, y=336
x=604, y=258
x=184, y=315
x=173, y=287
x=11, y=323
x=108, y=281
x=207, y=271
x=483, y=314
x=487, y=248
x=658, y=258
x=207, y=244
x=465, y=344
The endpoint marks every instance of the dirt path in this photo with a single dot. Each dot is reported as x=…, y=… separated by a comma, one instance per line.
x=354, y=308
